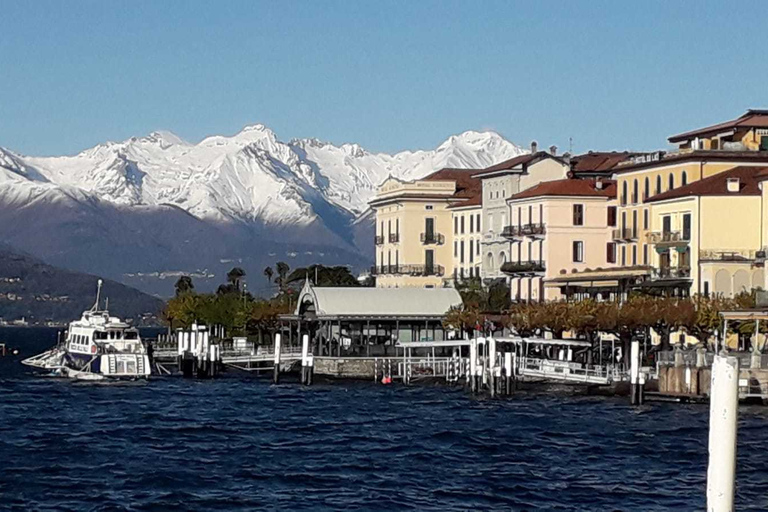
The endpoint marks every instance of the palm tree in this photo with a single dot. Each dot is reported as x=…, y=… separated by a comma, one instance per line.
x=282, y=273
x=184, y=285
x=269, y=273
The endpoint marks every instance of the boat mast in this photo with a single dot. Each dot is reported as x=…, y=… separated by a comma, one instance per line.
x=98, y=296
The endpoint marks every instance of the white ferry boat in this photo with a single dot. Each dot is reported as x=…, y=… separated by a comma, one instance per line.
x=96, y=347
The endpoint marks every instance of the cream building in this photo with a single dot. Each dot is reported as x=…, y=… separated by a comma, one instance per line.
x=414, y=228
x=558, y=226
x=707, y=237
x=467, y=234
x=499, y=183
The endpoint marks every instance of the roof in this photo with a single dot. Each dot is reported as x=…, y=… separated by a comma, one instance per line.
x=599, y=161
x=716, y=185
x=753, y=118
x=569, y=188
x=700, y=154
x=520, y=161
x=466, y=185
x=378, y=302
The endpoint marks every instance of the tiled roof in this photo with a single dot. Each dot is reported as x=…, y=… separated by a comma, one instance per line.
x=717, y=185
x=518, y=161
x=599, y=161
x=753, y=118
x=569, y=188
x=467, y=187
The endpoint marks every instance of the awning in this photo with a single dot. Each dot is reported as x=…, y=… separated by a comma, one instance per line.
x=586, y=284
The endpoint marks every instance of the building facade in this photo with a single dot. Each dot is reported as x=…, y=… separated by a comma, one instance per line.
x=558, y=226
x=414, y=228
x=467, y=234
x=499, y=183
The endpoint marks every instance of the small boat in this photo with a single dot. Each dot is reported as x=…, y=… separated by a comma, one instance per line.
x=96, y=347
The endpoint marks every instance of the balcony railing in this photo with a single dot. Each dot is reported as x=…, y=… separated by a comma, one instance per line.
x=742, y=255
x=624, y=234
x=533, y=229
x=667, y=238
x=523, y=267
x=672, y=273
x=510, y=232
x=432, y=239
x=378, y=240
x=409, y=270
x=394, y=238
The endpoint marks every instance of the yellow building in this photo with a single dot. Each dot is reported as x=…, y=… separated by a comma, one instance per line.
x=702, y=153
x=556, y=227
x=414, y=228
x=707, y=237
x=467, y=233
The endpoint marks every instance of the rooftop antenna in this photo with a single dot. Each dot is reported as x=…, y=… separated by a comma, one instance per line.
x=98, y=296
x=570, y=145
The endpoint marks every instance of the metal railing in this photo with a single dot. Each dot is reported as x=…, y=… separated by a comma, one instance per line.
x=666, y=237
x=569, y=371
x=432, y=239
x=394, y=238
x=624, y=234
x=534, y=229
x=672, y=273
x=510, y=231
x=737, y=255
x=378, y=240
x=412, y=270
x=523, y=267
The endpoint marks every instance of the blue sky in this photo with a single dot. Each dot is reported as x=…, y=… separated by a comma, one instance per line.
x=389, y=75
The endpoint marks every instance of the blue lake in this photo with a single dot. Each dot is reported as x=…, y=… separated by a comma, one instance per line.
x=240, y=443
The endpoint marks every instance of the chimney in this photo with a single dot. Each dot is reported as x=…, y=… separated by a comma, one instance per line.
x=553, y=150
x=733, y=184
x=599, y=184
x=534, y=146
x=567, y=157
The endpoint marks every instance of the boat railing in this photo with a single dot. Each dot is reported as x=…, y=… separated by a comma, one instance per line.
x=569, y=370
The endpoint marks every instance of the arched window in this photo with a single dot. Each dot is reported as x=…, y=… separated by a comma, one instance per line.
x=658, y=184
x=624, y=193
x=489, y=260
x=647, y=190
x=685, y=178
x=502, y=258
x=634, y=192
x=671, y=181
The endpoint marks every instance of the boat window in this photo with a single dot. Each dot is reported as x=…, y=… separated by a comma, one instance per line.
x=99, y=335
x=131, y=335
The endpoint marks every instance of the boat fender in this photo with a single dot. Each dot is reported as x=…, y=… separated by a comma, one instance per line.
x=93, y=349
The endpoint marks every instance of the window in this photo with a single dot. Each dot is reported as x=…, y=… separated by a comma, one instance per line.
x=706, y=283
x=634, y=192
x=623, y=221
x=578, y=215
x=471, y=223
x=645, y=219
x=684, y=178
x=477, y=247
x=645, y=254
x=578, y=252
x=634, y=255
x=610, y=252
x=530, y=214
x=658, y=185
x=647, y=189
x=471, y=251
x=456, y=225
x=477, y=222
x=389, y=227
x=623, y=256
x=461, y=251
x=397, y=227
x=624, y=193
x=462, y=224
x=634, y=223
x=666, y=224
x=671, y=181
x=687, y=226
x=612, y=216
x=429, y=207
x=541, y=214
x=455, y=249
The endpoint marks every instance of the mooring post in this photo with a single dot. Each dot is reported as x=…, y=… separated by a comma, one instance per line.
x=310, y=368
x=276, y=369
x=723, y=421
x=304, y=354
x=634, y=372
x=473, y=365
x=641, y=390
x=508, y=373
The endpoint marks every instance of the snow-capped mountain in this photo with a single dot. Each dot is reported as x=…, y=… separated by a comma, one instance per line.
x=247, y=187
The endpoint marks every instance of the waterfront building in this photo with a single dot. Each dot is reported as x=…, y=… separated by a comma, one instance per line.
x=707, y=237
x=701, y=154
x=499, y=183
x=467, y=235
x=555, y=227
x=414, y=228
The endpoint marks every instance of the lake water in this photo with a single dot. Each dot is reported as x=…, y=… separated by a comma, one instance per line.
x=240, y=443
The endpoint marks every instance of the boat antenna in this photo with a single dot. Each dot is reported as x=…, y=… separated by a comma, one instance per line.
x=98, y=296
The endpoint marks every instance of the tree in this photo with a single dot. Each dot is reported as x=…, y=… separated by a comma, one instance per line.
x=184, y=285
x=324, y=276
x=269, y=273
x=235, y=276
x=282, y=273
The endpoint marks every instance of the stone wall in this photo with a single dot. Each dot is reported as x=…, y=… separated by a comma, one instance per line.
x=345, y=368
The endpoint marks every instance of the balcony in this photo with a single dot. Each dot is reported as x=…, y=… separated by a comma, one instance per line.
x=394, y=238
x=510, y=232
x=523, y=267
x=668, y=238
x=378, y=240
x=533, y=230
x=741, y=255
x=624, y=234
x=408, y=270
x=683, y=272
x=432, y=239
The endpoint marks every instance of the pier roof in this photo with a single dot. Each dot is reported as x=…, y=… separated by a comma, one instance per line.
x=363, y=302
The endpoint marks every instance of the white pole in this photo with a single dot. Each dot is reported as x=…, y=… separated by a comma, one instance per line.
x=723, y=418
x=276, y=370
x=304, y=352
x=634, y=371
x=473, y=364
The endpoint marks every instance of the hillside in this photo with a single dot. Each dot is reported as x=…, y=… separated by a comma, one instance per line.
x=41, y=293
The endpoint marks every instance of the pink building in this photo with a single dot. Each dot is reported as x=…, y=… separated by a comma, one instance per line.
x=557, y=227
